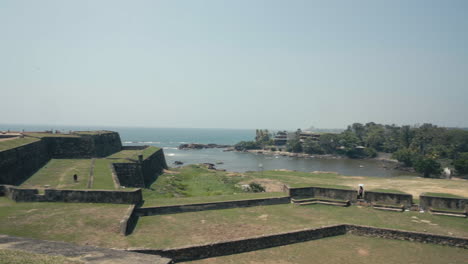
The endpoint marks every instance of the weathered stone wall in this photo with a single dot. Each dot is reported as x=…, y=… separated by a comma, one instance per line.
x=72, y=196
x=172, y=209
x=245, y=245
x=128, y=223
x=223, y=248
x=106, y=144
x=84, y=146
x=18, y=164
x=93, y=196
x=388, y=198
x=153, y=166
x=332, y=193
x=426, y=202
x=407, y=235
x=129, y=174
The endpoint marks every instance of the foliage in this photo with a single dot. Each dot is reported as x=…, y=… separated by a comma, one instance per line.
x=256, y=187
x=311, y=146
x=246, y=145
x=427, y=166
x=294, y=145
x=461, y=163
x=405, y=155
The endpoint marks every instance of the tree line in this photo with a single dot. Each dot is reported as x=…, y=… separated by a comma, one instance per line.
x=422, y=147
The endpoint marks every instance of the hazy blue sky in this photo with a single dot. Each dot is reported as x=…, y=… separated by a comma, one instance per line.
x=233, y=64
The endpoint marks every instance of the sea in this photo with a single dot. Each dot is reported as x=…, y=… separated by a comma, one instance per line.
x=170, y=138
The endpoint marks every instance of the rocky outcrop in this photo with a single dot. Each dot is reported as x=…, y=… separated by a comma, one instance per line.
x=202, y=146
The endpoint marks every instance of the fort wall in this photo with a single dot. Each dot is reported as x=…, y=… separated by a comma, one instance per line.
x=73, y=196
x=428, y=201
x=389, y=198
x=172, y=209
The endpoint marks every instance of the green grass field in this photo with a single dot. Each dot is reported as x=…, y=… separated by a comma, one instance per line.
x=207, y=226
x=133, y=154
x=21, y=257
x=16, y=142
x=102, y=174
x=58, y=173
x=81, y=223
x=348, y=249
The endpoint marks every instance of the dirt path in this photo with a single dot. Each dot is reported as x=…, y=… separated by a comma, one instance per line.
x=91, y=174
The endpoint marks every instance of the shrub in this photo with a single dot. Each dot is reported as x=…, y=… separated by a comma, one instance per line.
x=256, y=187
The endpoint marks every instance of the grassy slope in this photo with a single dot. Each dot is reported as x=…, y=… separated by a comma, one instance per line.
x=58, y=173
x=102, y=175
x=94, y=224
x=208, y=226
x=22, y=257
x=191, y=181
x=14, y=143
x=348, y=249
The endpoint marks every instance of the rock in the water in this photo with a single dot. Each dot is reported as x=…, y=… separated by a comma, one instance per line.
x=201, y=146
x=178, y=162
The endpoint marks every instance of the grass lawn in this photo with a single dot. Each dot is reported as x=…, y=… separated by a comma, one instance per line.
x=16, y=142
x=80, y=223
x=348, y=249
x=207, y=226
x=192, y=181
x=22, y=257
x=103, y=175
x=133, y=154
x=58, y=173
x=41, y=135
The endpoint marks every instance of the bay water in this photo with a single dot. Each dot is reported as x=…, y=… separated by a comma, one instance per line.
x=170, y=138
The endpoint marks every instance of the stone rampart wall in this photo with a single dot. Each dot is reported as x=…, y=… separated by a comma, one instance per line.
x=172, y=209
x=153, y=166
x=244, y=245
x=72, y=196
x=129, y=174
x=18, y=164
x=332, y=193
x=84, y=146
x=426, y=202
x=388, y=198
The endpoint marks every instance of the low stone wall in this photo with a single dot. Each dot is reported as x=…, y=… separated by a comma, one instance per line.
x=128, y=223
x=72, y=196
x=129, y=174
x=426, y=202
x=244, y=245
x=94, y=196
x=407, y=235
x=172, y=209
x=223, y=248
x=389, y=198
x=20, y=195
x=332, y=193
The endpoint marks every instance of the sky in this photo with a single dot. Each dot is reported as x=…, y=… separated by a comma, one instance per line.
x=233, y=64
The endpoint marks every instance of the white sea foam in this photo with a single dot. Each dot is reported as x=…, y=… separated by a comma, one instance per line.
x=171, y=154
